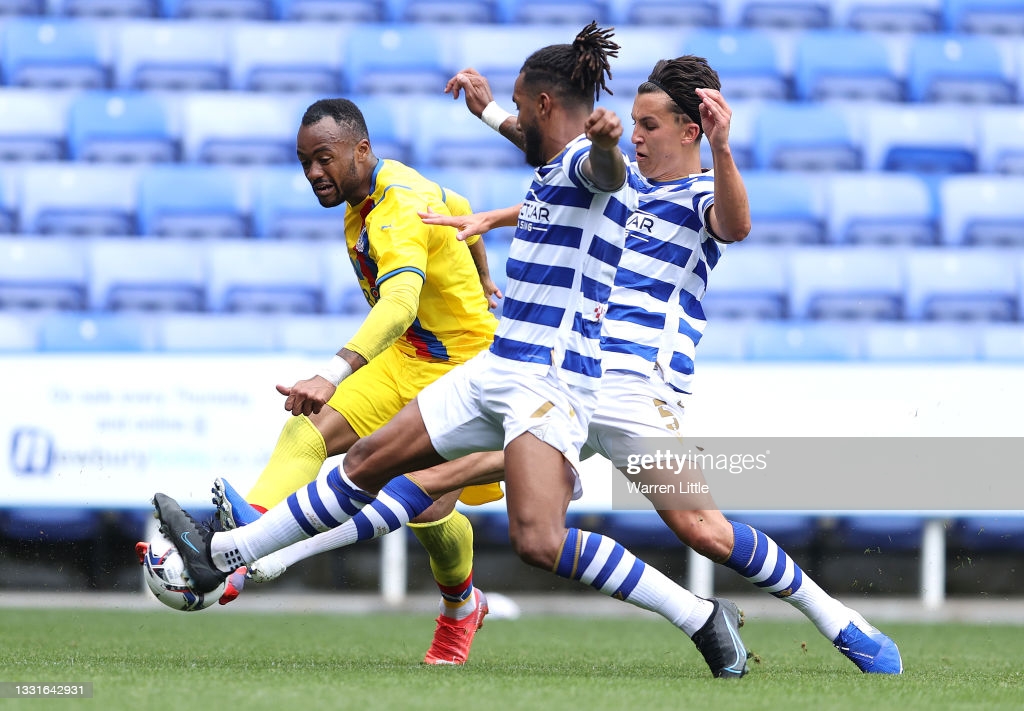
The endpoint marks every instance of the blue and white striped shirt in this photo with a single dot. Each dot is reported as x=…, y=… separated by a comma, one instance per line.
x=655, y=317
x=560, y=269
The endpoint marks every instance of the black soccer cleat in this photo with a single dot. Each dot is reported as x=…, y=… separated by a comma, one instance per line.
x=192, y=542
x=719, y=641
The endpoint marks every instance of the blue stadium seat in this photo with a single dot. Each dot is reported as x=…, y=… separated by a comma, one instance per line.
x=284, y=207
x=987, y=17
x=846, y=283
x=105, y=9
x=785, y=208
x=845, y=65
x=53, y=54
x=329, y=10
x=33, y=125
x=218, y=9
x=573, y=14
x=121, y=127
x=667, y=13
x=804, y=137
x=918, y=139
x=747, y=62
x=239, y=129
x=317, y=334
x=78, y=199
x=9, y=197
x=216, y=333
x=446, y=135
x=880, y=208
x=778, y=14
x=395, y=59
x=176, y=56
x=443, y=11
x=191, y=201
x=960, y=68
x=97, y=333
x=19, y=332
x=1001, y=140
x=264, y=277
x=385, y=119
x=147, y=275
x=894, y=342
x=503, y=188
x=795, y=340
x=982, y=210
x=342, y=294
x=1003, y=342
x=908, y=16
x=883, y=532
x=43, y=274
x=748, y=282
x=287, y=57
x=723, y=341
x=963, y=285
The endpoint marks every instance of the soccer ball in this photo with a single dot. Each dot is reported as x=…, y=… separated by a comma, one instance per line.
x=162, y=568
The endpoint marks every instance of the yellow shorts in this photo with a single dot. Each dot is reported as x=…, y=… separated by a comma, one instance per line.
x=375, y=393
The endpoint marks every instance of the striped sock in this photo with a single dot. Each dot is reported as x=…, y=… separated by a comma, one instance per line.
x=760, y=560
x=603, y=564
x=449, y=543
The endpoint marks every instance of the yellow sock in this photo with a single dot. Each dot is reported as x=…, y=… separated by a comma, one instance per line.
x=297, y=458
x=449, y=543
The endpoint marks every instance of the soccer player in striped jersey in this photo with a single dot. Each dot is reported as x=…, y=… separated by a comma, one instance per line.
x=532, y=393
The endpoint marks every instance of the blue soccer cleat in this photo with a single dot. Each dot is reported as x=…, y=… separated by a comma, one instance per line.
x=233, y=510
x=872, y=651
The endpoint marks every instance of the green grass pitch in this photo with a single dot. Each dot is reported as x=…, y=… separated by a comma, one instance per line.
x=297, y=662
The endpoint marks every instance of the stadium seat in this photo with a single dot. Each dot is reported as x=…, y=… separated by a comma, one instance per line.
x=747, y=62
x=907, y=16
x=239, y=129
x=19, y=332
x=104, y=9
x=1001, y=140
x=566, y=13
x=846, y=283
x=795, y=340
x=147, y=275
x=470, y=184
x=325, y=11
x=175, y=56
x=925, y=342
x=666, y=13
x=844, y=65
x=78, y=199
x=191, y=201
x=395, y=59
x=985, y=17
x=43, y=274
x=443, y=11
x=284, y=207
x=804, y=137
x=880, y=208
x=97, y=333
x=785, y=208
x=918, y=139
x=960, y=68
x=264, y=277
x=287, y=57
x=723, y=341
x=15, y=8
x=748, y=282
x=777, y=14
x=33, y=124
x=342, y=293
x=960, y=284
x=218, y=9
x=505, y=187
x=446, y=135
x=216, y=333
x=120, y=127
x=9, y=197
x=386, y=118
x=1002, y=342
x=982, y=210
x=883, y=532
x=317, y=334
x=53, y=54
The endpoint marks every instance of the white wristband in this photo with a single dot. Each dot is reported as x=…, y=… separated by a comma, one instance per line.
x=493, y=115
x=336, y=371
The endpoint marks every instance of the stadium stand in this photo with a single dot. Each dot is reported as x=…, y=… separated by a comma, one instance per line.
x=993, y=17
x=78, y=199
x=918, y=139
x=325, y=11
x=785, y=207
x=120, y=127
x=957, y=68
x=907, y=16
x=221, y=333
x=191, y=201
x=934, y=342
x=226, y=128
x=804, y=136
x=46, y=275
x=264, y=277
x=33, y=124
x=747, y=62
x=846, y=283
x=146, y=275
x=171, y=56
x=1001, y=140
x=961, y=285
x=54, y=53
x=395, y=59
x=750, y=282
x=845, y=65
x=284, y=207
x=880, y=208
x=982, y=210
x=284, y=57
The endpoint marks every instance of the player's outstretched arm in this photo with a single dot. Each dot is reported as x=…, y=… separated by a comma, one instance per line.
x=729, y=217
x=605, y=166
x=475, y=223
x=480, y=102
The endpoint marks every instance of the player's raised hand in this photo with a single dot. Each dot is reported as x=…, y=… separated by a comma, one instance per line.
x=491, y=291
x=474, y=86
x=715, y=118
x=603, y=128
x=307, y=397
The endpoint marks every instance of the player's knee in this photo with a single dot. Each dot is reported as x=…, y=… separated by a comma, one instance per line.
x=707, y=534
x=538, y=550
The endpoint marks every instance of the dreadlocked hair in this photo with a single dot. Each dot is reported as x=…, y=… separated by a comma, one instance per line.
x=576, y=71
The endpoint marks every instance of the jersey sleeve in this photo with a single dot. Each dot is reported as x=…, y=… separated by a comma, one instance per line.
x=572, y=164
x=397, y=235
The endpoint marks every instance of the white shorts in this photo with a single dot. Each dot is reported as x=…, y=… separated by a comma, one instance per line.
x=631, y=410
x=486, y=403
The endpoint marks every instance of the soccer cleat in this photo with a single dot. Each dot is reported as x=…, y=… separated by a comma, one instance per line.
x=269, y=567
x=232, y=508
x=872, y=651
x=192, y=542
x=453, y=638
x=141, y=549
x=233, y=586
x=719, y=641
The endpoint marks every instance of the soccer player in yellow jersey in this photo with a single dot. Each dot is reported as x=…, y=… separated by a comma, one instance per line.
x=428, y=315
